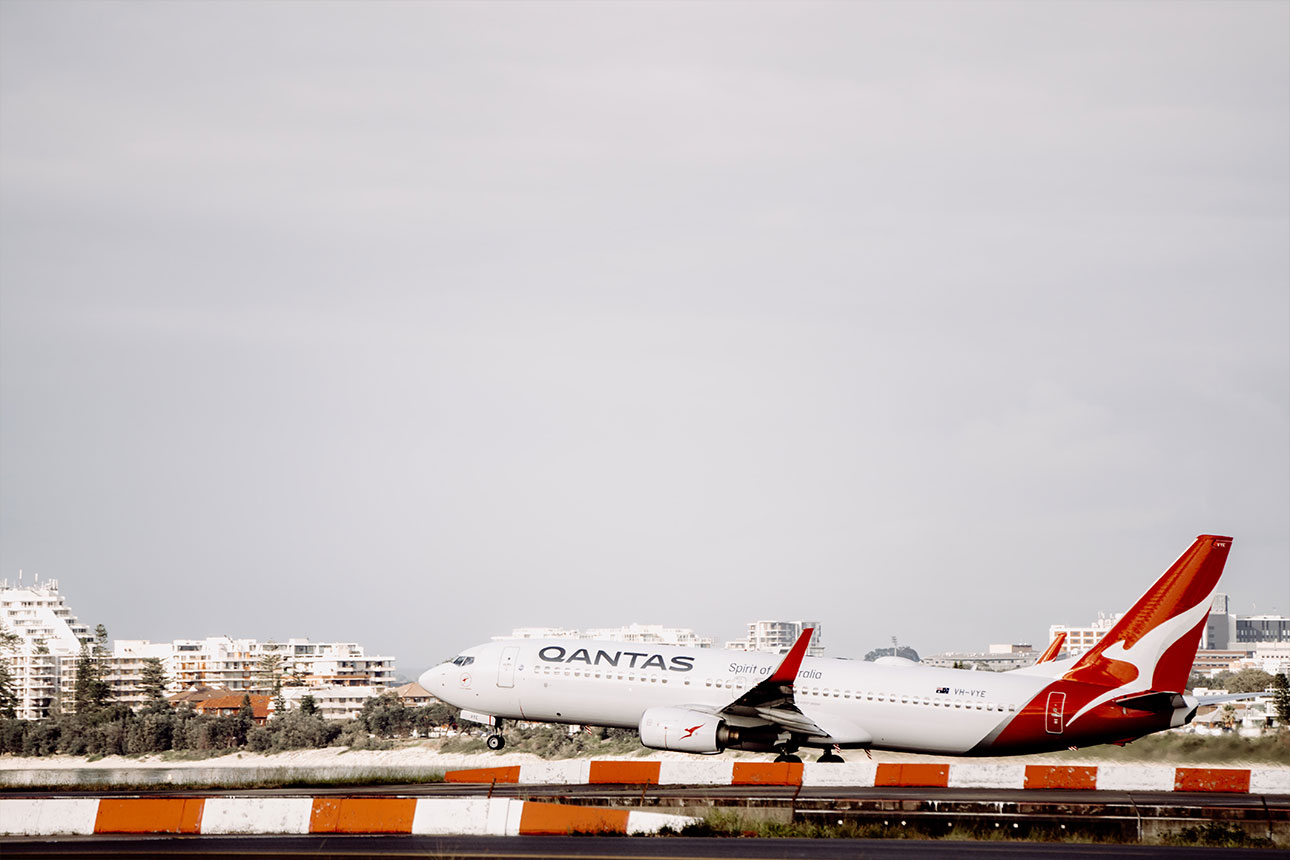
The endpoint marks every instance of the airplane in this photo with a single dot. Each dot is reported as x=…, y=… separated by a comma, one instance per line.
x=698, y=700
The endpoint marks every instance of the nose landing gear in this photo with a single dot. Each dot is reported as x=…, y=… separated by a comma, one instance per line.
x=495, y=740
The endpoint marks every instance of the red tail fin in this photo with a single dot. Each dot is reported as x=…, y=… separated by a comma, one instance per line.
x=1154, y=644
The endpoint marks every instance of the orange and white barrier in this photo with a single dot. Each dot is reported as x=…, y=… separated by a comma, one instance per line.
x=888, y=774
x=297, y=815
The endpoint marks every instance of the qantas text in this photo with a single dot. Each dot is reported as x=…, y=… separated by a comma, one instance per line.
x=556, y=654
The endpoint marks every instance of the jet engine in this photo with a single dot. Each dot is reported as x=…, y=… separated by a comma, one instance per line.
x=683, y=730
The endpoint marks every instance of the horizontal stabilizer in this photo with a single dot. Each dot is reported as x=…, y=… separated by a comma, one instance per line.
x=1226, y=697
x=1153, y=702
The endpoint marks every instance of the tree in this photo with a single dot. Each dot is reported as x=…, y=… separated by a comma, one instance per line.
x=8, y=691
x=9, y=642
x=91, y=692
x=153, y=679
x=297, y=675
x=244, y=721
x=1247, y=681
x=268, y=673
x=308, y=705
x=279, y=706
x=1281, y=699
x=385, y=716
x=101, y=641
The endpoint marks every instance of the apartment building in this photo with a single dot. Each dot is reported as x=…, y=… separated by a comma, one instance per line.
x=336, y=702
x=776, y=637
x=238, y=665
x=1080, y=639
x=50, y=638
x=639, y=633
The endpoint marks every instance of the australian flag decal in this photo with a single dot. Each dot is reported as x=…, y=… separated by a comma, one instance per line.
x=942, y=691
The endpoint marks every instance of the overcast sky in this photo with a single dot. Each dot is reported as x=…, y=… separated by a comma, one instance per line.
x=410, y=323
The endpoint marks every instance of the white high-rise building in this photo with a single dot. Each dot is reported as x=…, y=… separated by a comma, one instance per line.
x=237, y=664
x=640, y=633
x=777, y=637
x=1080, y=639
x=43, y=663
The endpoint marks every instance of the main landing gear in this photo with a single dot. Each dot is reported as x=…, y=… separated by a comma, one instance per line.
x=790, y=756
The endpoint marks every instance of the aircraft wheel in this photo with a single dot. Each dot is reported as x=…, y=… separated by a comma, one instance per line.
x=496, y=742
x=787, y=757
x=831, y=758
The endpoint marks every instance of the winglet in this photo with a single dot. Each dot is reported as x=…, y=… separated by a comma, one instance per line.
x=1054, y=649
x=787, y=671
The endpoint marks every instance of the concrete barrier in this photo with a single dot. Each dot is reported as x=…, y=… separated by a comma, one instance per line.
x=22, y=816
x=971, y=774
x=296, y=815
x=229, y=815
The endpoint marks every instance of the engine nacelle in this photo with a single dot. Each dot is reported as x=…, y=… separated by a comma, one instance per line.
x=682, y=730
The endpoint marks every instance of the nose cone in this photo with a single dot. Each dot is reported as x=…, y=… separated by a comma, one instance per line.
x=435, y=679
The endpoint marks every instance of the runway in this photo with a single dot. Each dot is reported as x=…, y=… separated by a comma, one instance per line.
x=587, y=848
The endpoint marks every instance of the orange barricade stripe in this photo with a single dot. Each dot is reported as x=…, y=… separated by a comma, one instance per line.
x=766, y=773
x=554, y=818
x=362, y=814
x=149, y=815
x=1074, y=777
x=1211, y=779
x=484, y=774
x=624, y=772
x=932, y=775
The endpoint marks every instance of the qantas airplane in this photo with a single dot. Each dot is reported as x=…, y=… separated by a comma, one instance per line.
x=705, y=701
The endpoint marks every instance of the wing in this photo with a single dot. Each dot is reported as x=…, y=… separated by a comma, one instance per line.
x=772, y=699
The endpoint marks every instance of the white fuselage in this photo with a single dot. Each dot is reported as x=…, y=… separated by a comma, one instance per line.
x=903, y=706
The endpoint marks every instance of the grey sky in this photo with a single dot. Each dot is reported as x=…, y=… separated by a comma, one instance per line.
x=411, y=323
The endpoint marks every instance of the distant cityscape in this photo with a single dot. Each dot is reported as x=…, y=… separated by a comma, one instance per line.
x=341, y=676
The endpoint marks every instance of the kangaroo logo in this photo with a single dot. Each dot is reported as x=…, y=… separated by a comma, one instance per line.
x=691, y=730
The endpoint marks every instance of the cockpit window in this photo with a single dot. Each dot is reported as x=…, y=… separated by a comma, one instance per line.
x=463, y=661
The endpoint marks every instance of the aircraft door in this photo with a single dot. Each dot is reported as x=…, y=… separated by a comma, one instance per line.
x=1053, y=714
x=506, y=667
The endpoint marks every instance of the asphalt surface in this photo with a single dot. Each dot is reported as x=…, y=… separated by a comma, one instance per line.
x=586, y=848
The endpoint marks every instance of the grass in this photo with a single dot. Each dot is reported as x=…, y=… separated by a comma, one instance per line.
x=554, y=742
x=725, y=823
x=1187, y=748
